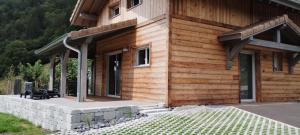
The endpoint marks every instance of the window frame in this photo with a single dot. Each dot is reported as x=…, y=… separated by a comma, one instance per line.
x=132, y=6
x=147, y=56
x=112, y=7
x=277, y=62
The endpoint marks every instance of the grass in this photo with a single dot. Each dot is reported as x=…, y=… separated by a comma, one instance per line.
x=14, y=126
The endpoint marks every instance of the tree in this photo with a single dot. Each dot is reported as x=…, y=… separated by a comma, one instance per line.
x=34, y=73
x=27, y=25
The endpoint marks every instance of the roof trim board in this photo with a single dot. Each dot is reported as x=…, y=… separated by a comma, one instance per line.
x=258, y=28
x=85, y=33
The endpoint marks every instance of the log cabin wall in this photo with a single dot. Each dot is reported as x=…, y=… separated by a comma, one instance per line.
x=146, y=11
x=137, y=83
x=278, y=86
x=231, y=12
x=197, y=68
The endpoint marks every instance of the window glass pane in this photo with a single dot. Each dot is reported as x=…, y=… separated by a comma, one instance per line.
x=277, y=61
x=148, y=58
x=115, y=11
x=141, y=57
x=136, y=2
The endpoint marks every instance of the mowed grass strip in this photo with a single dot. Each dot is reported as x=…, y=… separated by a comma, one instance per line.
x=14, y=126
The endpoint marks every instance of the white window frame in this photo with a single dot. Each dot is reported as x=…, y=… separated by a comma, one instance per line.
x=147, y=59
x=132, y=4
x=112, y=8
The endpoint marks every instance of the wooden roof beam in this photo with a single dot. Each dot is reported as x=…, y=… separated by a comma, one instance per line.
x=274, y=45
x=91, y=17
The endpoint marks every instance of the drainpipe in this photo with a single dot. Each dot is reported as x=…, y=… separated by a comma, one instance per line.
x=79, y=99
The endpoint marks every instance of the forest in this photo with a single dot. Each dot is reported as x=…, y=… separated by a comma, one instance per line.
x=26, y=25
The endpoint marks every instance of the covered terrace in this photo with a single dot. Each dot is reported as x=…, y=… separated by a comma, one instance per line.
x=82, y=44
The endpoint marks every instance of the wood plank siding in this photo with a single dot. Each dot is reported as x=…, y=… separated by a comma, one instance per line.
x=197, y=66
x=278, y=86
x=146, y=11
x=232, y=12
x=197, y=60
x=137, y=83
x=187, y=61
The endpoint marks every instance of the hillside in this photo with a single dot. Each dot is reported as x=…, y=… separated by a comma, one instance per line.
x=29, y=24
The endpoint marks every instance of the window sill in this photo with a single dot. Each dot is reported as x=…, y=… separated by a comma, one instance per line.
x=142, y=66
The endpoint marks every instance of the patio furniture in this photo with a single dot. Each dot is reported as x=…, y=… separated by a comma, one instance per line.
x=53, y=93
x=29, y=90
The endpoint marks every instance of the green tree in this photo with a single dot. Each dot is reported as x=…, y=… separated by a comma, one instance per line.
x=27, y=25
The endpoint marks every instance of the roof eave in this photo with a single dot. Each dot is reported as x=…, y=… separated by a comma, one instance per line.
x=288, y=3
x=51, y=46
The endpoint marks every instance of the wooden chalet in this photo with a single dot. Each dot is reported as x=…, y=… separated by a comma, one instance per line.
x=181, y=52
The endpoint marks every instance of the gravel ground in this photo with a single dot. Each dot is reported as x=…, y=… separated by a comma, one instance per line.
x=192, y=120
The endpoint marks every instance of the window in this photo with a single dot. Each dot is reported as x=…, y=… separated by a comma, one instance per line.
x=133, y=3
x=143, y=56
x=114, y=10
x=277, y=61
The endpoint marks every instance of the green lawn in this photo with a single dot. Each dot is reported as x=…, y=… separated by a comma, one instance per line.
x=14, y=126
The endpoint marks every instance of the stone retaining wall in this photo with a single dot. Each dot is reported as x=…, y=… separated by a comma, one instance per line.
x=55, y=117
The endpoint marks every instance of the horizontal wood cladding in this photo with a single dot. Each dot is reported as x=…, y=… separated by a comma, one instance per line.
x=197, y=67
x=137, y=83
x=235, y=12
x=146, y=11
x=278, y=86
x=231, y=12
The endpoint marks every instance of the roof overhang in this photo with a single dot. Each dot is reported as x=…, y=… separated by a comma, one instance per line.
x=76, y=37
x=102, y=30
x=258, y=28
x=235, y=41
x=56, y=44
x=86, y=12
x=294, y=4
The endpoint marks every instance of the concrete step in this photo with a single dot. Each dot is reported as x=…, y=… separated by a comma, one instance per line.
x=154, y=111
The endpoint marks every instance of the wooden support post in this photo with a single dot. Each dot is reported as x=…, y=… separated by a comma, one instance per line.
x=63, y=72
x=233, y=49
x=83, y=81
x=292, y=61
x=51, y=73
x=277, y=36
x=84, y=69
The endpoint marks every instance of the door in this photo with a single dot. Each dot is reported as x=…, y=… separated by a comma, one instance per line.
x=247, y=77
x=114, y=70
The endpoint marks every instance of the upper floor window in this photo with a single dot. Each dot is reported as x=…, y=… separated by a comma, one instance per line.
x=114, y=10
x=133, y=3
x=142, y=56
x=277, y=61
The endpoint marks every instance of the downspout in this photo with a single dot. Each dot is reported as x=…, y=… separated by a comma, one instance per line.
x=79, y=99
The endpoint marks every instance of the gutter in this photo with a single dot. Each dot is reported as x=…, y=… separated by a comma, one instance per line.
x=79, y=99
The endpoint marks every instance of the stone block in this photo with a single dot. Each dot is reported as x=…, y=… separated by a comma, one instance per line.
x=109, y=115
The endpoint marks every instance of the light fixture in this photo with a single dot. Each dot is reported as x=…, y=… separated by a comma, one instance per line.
x=125, y=49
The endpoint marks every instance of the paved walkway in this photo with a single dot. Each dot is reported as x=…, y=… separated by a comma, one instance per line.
x=194, y=120
x=285, y=112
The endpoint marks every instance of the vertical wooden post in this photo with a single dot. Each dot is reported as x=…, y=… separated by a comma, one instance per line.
x=63, y=72
x=84, y=71
x=51, y=72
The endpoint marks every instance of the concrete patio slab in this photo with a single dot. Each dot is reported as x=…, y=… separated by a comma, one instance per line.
x=284, y=112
